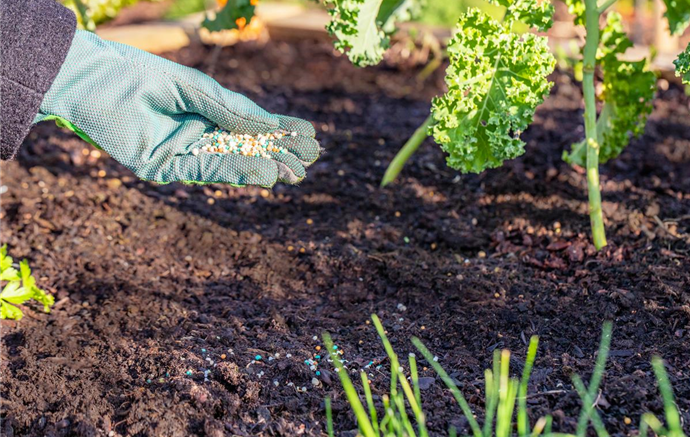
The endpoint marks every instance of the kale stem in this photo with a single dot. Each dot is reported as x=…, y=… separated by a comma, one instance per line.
x=589, y=66
x=411, y=146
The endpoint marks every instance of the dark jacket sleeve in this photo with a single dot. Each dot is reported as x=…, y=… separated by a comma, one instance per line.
x=35, y=36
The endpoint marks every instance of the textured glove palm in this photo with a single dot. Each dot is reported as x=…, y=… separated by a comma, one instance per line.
x=150, y=113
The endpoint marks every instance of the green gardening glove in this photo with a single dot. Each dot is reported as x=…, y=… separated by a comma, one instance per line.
x=150, y=114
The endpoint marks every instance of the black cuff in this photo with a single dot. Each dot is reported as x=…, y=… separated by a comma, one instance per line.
x=35, y=36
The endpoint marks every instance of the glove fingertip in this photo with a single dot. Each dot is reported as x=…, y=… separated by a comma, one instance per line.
x=294, y=124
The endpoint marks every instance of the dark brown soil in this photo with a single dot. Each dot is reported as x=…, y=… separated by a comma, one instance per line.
x=154, y=281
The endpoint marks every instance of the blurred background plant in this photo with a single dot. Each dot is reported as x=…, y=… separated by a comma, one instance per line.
x=91, y=13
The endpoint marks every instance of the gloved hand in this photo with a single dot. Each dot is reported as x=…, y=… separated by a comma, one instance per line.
x=150, y=113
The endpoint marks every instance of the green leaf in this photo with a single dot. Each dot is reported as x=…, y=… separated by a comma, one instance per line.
x=362, y=27
x=20, y=288
x=29, y=282
x=678, y=15
x=48, y=300
x=8, y=311
x=392, y=12
x=5, y=261
x=613, y=40
x=14, y=293
x=683, y=65
x=531, y=12
x=628, y=91
x=9, y=274
x=233, y=12
x=496, y=79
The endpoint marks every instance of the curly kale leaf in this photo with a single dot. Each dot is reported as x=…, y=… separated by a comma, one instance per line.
x=628, y=91
x=683, y=65
x=362, y=27
x=613, y=40
x=678, y=15
x=531, y=12
x=496, y=79
x=234, y=15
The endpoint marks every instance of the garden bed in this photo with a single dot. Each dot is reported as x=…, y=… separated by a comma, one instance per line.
x=167, y=294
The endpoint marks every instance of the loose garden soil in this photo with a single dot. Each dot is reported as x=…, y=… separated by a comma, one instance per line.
x=158, y=286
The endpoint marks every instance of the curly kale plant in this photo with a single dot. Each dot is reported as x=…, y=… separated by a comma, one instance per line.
x=683, y=65
x=628, y=91
x=496, y=79
x=19, y=287
x=362, y=27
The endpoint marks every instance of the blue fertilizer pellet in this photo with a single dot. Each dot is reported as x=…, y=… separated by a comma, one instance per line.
x=318, y=357
x=203, y=351
x=318, y=373
x=335, y=347
x=148, y=381
x=189, y=372
x=257, y=358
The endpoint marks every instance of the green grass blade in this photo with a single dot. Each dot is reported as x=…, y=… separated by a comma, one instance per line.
x=549, y=423
x=502, y=394
x=588, y=405
x=394, y=426
x=491, y=402
x=414, y=374
x=522, y=419
x=507, y=409
x=452, y=432
x=654, y=423
x=400, y=403
x=459, y=398
x=644, y=427
x=363, y=422
x=538, y=427
x=329, y=417
x=370, y=403
x=395, y=370
x=416, y=409
x=599, y=368
x=671, y=411
x=506, y=397
x=389, y=350
x=386, y=422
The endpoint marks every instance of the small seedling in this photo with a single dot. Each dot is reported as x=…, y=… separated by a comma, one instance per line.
x=673, y=422
x=19, y=287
